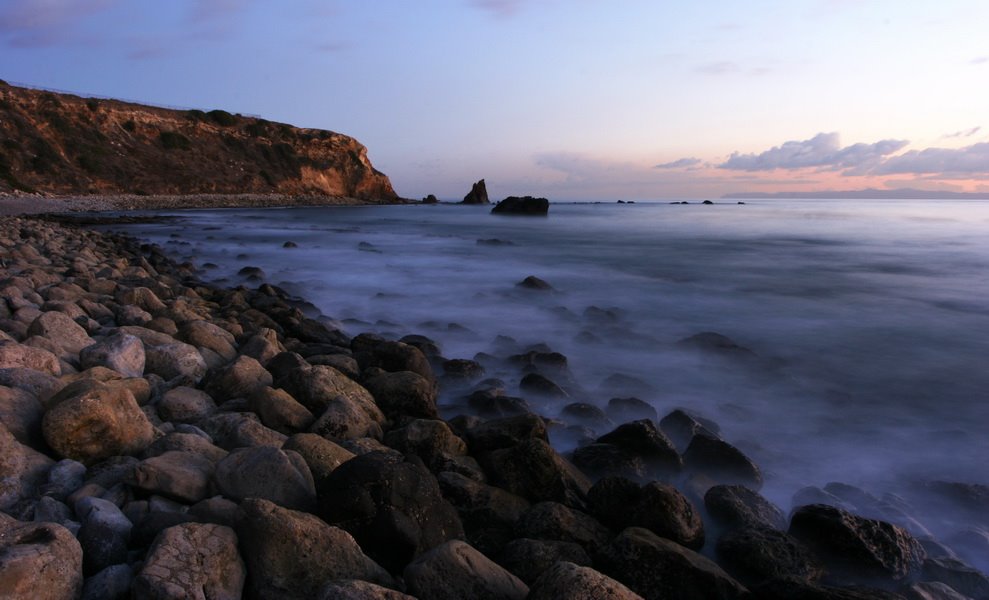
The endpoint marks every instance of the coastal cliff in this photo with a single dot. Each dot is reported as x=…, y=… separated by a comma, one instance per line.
x=64, y=144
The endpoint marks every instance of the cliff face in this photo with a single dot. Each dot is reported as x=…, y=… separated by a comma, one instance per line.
x=63, y=144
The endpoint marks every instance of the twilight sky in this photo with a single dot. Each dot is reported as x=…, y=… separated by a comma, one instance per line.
x=569, y=99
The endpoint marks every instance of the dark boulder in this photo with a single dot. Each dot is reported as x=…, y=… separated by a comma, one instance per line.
x=553, y=521
x=574, y=582
x=629, y=409
x=533, y=470
x=403, y=394
x=721, y=461
x=657, y=568
x=505, y=433
x=790, y=588
x=540, y=385
x=478, y=194
x=856, y=549
x=430, y=199
x=660, y=508
x=494, y=403
x=681, y=427
x=525, y=205
x=642, y=438
x=754, y=555
x=534, y=283
x=393, y=507
x=488, y=513
x=736, y=506
x=602, y=460
x=528, y=558
x=455, y=571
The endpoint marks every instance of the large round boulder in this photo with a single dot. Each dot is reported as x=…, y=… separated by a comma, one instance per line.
x=455, y=570
x=38, y=561
x=193, y=560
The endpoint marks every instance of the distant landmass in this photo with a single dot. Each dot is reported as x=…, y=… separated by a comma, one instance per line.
x=64, y=144
x=868, y=194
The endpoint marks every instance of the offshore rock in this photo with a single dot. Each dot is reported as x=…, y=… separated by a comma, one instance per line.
x=478, y=194
x=525, y=205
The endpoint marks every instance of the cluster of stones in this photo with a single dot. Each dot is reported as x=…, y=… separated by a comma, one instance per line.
x=162, y=438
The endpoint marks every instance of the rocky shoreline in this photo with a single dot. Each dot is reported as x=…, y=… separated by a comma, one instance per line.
x=161, y=437
x=20, y=203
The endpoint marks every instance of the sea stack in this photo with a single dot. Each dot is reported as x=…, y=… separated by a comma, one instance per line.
x=526, y=205
x=478, y=194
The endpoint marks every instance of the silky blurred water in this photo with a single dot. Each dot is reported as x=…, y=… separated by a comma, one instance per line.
x=870, y=318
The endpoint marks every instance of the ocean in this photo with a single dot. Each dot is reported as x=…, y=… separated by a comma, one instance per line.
x=868, y=321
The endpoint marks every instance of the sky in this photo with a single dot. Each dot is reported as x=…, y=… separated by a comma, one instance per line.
x=568, y=99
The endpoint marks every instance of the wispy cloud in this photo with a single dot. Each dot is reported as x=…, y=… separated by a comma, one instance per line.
x=718, y=68
x=683, y=163
x=823, y=151
x=964, y=133
x=34, y=23
x=971, y=160
x=979, y=60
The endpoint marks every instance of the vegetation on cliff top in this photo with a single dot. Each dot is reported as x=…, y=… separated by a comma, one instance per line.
x=64, y=144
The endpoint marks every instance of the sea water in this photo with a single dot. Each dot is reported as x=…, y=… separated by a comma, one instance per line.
x=869, y=320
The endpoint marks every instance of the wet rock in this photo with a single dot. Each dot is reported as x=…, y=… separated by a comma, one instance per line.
x=185, y=405
x=681, y=428
x=321, y=455
x=461, y=369
x=660, y=508
x=855, y=548
x=345, y=419
x=190, y=561
x=960, y=576
x=534, y=283
x=238, y=379
x=204, y=334
x=540, y=385
x=525, y=205
x=654, y=567
x=554, y=521
x=395, y=357
x=506, y=432
x=89, y=421
x=533, y=470
x=721, y=461
x=195, y=443
x=317, y=387
x=716, y=344
x=268, y=473
x=393, y=507
x=574, y=582
x=599, y=460
x=38, y=561
x=756, y=554
x=643, y=439
x=455, y=570
x=292, y=555
x=263, y=346
x=736, y=506
x=495, y=404
x=488, y=513
x=403, y=394
x=121, y=352
x=527, y=558
x=104, y=535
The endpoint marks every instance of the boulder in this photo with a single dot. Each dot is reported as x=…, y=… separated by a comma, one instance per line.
x=89, y=421
x=554, y=521
x=430, y=440
x=599, y=460
x=104, y=535
x=631, y=408
x=506, y=432
x=238, y=379
x=961, y=577
x=488, y=513
x=65, y=477
x=478, y=194
x=278, y=410
x=643, y=439
x=316, y=387
x=736, y=506
x=345, y=419
x=240, y=430
x=660, y=508
x=393, y=507
x=355, y=589
x=533, y=470
x=654, y=567
x=292, y=555
x=575, y=582
x=527, y=559
x=525, y=205
x=62, y=330
x=21, y=413
x=263, y=346
x=279, y=476
x=681, y=427
x=194, y=443
x=722, y=462
x=121, y=352
x=174, y=359
x=403, y=394
x=39, y=384
x=204, y=334
x=14, y=356
x=112, y=583
x=455, y=570
x=855, y=548
x=755, y=554
x=535, y=283
x=185, y=405
x=38, y=561
x=322, y=455
x=194, y=560
x=184, y=476
x=395, y=357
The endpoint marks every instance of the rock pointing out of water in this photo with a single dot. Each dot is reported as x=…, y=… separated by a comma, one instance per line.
x=478, y=194
x=526, y=205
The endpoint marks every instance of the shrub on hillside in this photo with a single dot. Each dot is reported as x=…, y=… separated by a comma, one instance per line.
x=174, y=141
x=222, y=118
